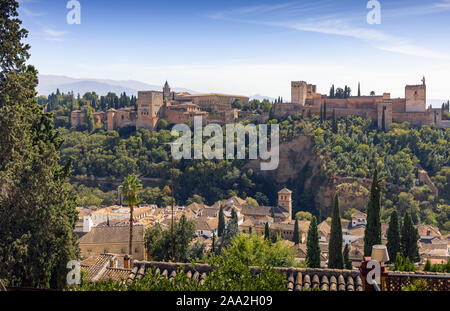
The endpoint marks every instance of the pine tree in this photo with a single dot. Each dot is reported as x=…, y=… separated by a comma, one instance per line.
x=221, y=225
x=372, y=234
x=266, y=231
x=409, y=239
x=313, y=246
x=393, y=237
x=37, y=216
x=297, y=239
x=335, y=260
x=347, y=262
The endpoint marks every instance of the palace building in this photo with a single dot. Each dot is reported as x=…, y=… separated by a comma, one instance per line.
x=175, y=108
x=412, y=108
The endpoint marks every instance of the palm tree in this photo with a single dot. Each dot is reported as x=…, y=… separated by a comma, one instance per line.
x=130, y=192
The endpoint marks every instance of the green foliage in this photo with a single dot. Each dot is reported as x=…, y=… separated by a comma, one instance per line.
x=393, y=236
x=335, y=259
x=409, y=239
x=221, y=225
x=439, y=268
x=243, y=252
x=419, y=285
x=372, y=233
x=37, y=216
x=303, y=216
x=313, y=246
x=403, y=264
x=297, y=239
x=266, y=231
x=158, y=242
x=347, y=262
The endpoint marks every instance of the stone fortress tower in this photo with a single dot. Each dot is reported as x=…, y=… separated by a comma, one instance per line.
x=416, y=97
x=298, y=92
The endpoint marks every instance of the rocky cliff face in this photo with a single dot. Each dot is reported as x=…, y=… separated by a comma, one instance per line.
x=300, y=170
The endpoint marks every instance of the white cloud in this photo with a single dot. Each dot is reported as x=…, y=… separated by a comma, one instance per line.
x=339, y=24
x=54, y=35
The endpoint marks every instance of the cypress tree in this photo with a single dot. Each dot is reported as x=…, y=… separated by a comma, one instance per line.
x=335, y=259
x=372, y=234
x=250, y=230
x=383, y=120
x=347, y=262
x=37, y=215
x=325, y=111
x=221, y=226
x=296, y=233
x=334, y=122
x=409, y=239
x=213, y=246
x=312, y=245
x=393, y=237
x=359, y=89
x=266, y=231
x=321, y=113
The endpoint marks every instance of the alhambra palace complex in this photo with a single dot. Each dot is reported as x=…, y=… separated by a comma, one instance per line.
x=217, y=108
x=173, y=107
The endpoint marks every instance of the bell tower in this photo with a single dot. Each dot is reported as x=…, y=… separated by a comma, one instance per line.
x=285, y=200
x=166, y=91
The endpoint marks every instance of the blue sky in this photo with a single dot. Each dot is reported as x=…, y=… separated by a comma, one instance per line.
x=246, y=47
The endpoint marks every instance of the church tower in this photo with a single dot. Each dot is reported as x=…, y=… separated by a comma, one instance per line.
x=166, y=91
x=285, y=200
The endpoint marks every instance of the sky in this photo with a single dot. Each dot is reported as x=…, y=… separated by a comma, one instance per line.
x=246, y=47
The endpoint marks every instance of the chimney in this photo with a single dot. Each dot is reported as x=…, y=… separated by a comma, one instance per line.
x=113, y=262
x=87, y=224
x=126, y=262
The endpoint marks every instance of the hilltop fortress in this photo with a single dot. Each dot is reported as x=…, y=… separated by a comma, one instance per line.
x=412, y=108
x=175, y=108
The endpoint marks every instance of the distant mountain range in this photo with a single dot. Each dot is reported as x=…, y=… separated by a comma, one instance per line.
x=50, y=83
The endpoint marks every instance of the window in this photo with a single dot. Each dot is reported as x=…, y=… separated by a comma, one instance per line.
x=136, y=250
x=106, y=251
x=89, y=250
x=124, y=250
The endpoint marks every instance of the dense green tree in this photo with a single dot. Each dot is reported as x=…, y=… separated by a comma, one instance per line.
x=347, y=262
x=372, y=234
x=158, y=242
x=335, y=125
x=409, y=239
x=335, y=260
x=297, y=239
x=221, y=226
x=37, y=217
x=312, y=245
x=393, y=236
x=266, y=231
